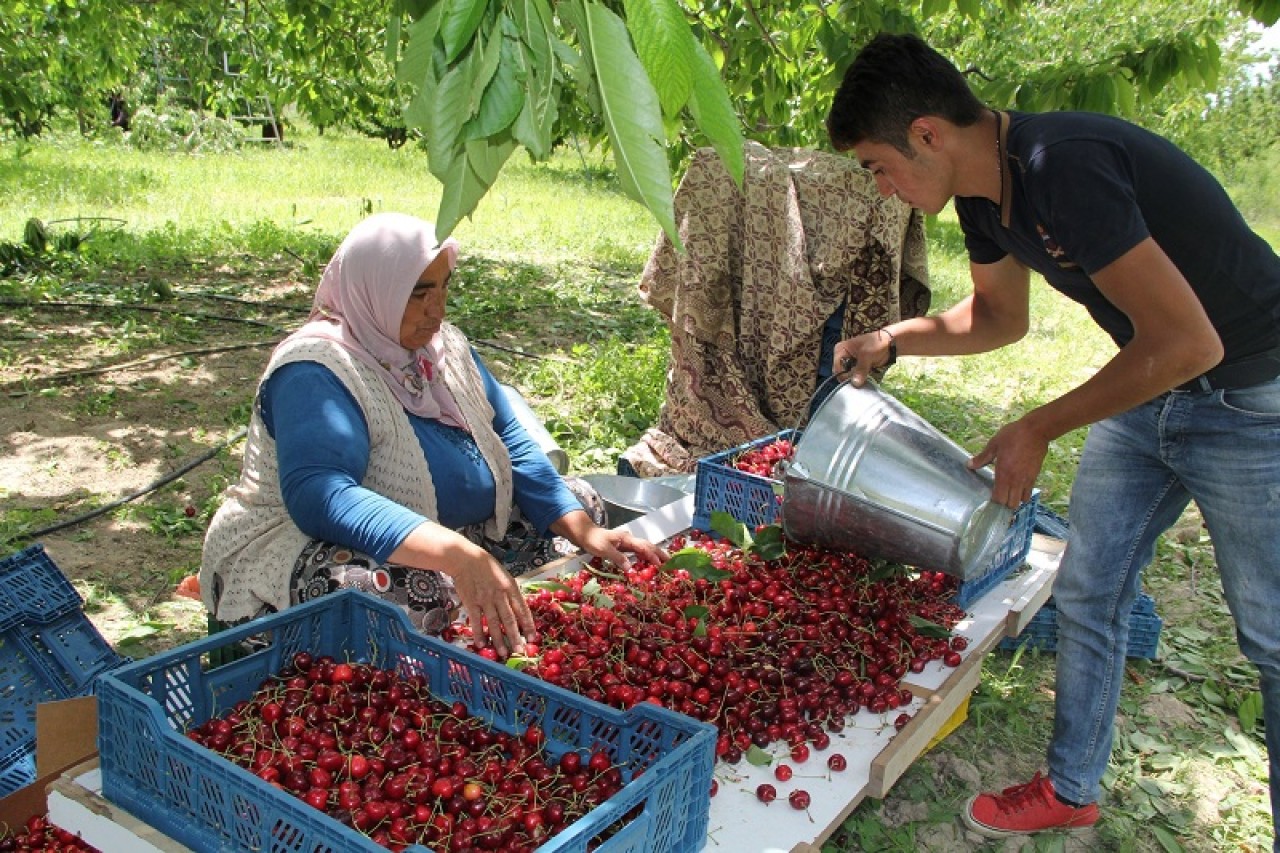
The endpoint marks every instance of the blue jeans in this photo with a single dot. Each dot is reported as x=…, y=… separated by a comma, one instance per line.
x=1137, y=474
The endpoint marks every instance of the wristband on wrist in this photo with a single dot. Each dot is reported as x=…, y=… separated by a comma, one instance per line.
x=893, y=348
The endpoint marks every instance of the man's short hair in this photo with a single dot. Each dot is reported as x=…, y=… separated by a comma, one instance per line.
x=895, y=79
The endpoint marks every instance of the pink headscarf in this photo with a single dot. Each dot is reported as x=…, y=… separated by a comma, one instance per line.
x=361, y=300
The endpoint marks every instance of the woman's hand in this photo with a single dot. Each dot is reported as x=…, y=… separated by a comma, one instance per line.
x=608, y=545
x=495, y=605
x=493, y=600
x=612, y=545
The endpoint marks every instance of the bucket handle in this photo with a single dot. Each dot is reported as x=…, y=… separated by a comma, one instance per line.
x=807, y=413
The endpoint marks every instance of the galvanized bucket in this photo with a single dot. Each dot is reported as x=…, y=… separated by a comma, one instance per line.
x=537, y=431
x=871, y=476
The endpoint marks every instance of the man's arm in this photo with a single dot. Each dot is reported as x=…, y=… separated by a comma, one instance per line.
x=994, y=315
x=1173, y=341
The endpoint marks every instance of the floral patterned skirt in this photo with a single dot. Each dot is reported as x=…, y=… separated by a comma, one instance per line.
x=429, y=597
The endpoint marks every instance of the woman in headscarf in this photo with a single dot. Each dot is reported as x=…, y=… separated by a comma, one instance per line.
x=383, y=455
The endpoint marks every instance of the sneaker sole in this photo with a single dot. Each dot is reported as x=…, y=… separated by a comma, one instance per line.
x=995, y=832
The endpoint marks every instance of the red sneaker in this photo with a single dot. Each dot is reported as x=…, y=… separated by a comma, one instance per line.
x=1024, y=809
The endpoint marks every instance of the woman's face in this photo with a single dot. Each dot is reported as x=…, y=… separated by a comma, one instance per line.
x=425, y=310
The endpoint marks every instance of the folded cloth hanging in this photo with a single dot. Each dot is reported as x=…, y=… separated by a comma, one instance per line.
x=764, y=268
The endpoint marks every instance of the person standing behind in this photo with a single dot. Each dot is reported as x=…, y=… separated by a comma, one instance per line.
x=1124, y=222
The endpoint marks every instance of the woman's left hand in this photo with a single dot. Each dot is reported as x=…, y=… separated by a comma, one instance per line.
x=611, y=545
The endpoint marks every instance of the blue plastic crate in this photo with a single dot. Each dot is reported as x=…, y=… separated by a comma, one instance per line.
x=1012, y=553
x=209, y=804
x=49, y=653
x=32, y=587
x=719, y=487
x=17, y=770
x=1042, y=631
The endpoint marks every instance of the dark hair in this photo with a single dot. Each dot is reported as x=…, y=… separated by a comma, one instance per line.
x=894, y=80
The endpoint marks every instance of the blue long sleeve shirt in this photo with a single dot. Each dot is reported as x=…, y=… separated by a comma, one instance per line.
x=322, y=442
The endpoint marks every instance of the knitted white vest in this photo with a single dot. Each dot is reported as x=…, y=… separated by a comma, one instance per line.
x=252, y=543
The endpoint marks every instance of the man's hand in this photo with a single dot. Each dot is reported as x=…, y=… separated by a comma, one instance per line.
x=858, y=356
x=1017, y=452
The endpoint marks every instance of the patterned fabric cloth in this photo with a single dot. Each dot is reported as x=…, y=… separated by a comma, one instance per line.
x=428, y=598
x=763, y=269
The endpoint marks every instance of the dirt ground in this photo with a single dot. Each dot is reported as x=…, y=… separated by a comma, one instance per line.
x=75, y=445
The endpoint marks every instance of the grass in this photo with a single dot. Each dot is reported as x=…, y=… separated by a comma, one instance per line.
x=547, y=291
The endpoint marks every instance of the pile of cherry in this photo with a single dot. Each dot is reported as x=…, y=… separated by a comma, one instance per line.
x=762, y=460
x=379, y=753
x=39, y=834
x=771, y=651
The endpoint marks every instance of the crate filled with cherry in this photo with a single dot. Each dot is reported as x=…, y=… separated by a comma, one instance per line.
x=778, y=645
x=744, y=481
x=348, y=730
x=377, y=752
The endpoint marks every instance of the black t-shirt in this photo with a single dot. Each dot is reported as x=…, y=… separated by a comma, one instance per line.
x=1086, y=188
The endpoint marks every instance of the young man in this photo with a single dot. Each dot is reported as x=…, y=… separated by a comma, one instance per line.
x=1127, y=224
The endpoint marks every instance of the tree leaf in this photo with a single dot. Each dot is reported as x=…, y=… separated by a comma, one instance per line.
x=1166, y=838
x=769, y=543
x=416, y=68
x=715, y=116
x=489, y=47
x=553, y=586
x=724, y=524
x=665, y=47
x=696, y=562
x=535, y=124
x=392, y=50
x=503, y=99
x=461, y=20
x=629, y=107
x=925, y=628
x=1250, y=711
x=757, y=756
x=449, y=111
x=472, y=175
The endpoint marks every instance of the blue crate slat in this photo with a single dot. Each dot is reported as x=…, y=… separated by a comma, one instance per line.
x=1050, y=523
x=33, y=589
x=207, y=803
x=1042, y=631
x=49, y=651
x=17, y=770
x=1011, y=555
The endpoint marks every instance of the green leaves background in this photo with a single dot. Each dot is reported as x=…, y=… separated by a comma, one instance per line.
x=489, y=76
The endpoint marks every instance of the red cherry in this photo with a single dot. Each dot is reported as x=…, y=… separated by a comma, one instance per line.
x=766, y=793
x=799, y=799
x=837, y=762
x=782, y=772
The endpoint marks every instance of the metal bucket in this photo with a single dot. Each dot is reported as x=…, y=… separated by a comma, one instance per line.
x=533, y=425
x=871, y=476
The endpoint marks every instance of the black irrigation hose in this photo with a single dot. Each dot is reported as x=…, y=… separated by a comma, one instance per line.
x=59, y=378
x=163, y=481
x=15, y=303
